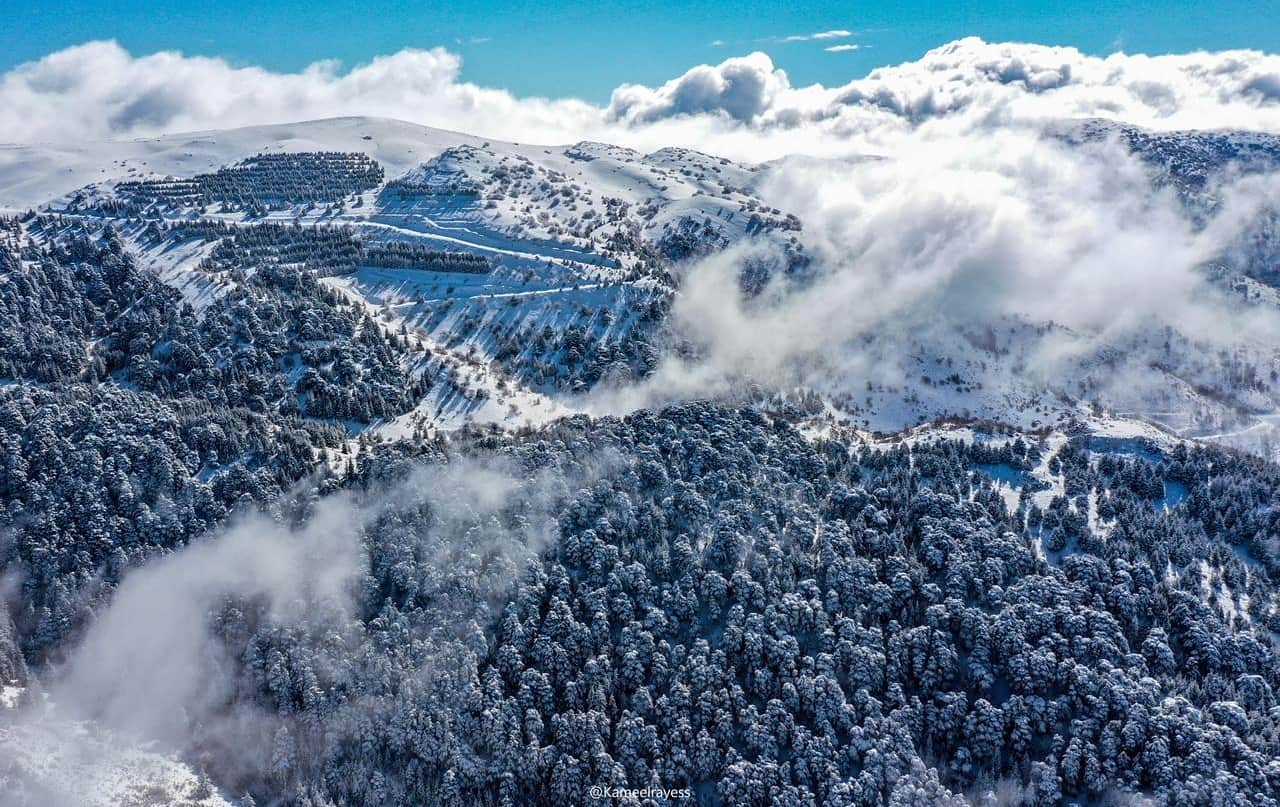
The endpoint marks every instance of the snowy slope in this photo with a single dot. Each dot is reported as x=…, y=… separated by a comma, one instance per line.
x=47, y=760
x=31, y=175
x=590, y=202
x=602, y=210
x=576, y=203
x=467, y=387
x=580, y=239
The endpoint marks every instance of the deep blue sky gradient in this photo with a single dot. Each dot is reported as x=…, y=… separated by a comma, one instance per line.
x=585, y=50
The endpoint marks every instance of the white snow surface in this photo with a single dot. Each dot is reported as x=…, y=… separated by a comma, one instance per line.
x=47, y=760
x=31, y=175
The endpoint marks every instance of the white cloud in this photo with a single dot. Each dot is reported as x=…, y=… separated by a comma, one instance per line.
x=740, y=88
x=988, y=84
x=836, y=33
x=1064, y=252
x=842, y=48
x=970, y=85
x=743, y=107
x=153, y=666
x=98, y=90
x=1230, y=88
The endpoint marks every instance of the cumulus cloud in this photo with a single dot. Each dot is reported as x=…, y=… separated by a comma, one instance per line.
x=740, y=88
x=98, y=91
x=743, y=107
x=985, y=84
x=1022, y=81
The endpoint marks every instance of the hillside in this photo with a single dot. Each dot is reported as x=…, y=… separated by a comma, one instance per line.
x=355, y=462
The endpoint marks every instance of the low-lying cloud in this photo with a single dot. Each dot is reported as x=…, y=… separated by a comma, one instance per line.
x=153, y=667
x=1021, y=263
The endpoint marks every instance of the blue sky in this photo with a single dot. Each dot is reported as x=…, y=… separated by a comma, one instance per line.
x=558, y=50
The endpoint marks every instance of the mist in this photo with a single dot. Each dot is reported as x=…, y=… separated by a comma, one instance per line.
x=157, y=666
x=1028, y=266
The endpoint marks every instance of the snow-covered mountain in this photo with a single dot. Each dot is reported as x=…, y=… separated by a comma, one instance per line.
x=587, y=202
x=574, y=244
x=577, y=255
x=33, y=174
x=911, y=513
